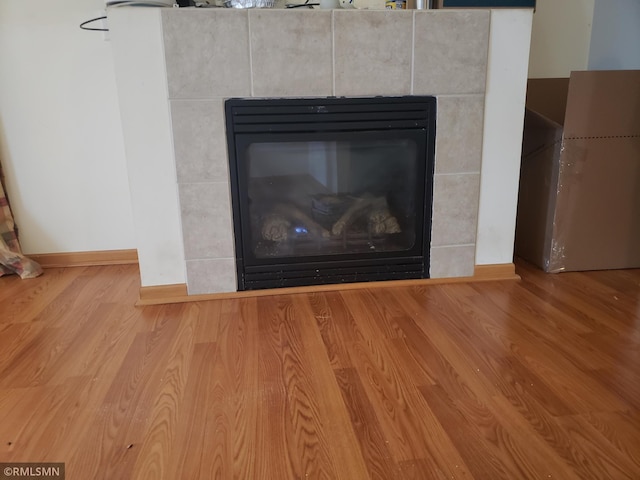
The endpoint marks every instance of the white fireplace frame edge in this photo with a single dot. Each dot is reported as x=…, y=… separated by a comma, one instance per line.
x=137, y=45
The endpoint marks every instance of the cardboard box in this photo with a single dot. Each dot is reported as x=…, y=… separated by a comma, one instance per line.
x=579, y=200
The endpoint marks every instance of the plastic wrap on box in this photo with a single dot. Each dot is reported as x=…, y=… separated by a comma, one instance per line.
x=579, y=201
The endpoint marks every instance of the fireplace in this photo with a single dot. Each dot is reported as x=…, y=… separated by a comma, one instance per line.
x=331, y=190
x=172, y=101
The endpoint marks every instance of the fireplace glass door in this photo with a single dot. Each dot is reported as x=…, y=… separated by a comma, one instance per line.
x=325, y=194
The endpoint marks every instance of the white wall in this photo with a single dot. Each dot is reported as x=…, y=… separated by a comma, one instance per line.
x=615, y=37
x=60, y=137
x=560, y=37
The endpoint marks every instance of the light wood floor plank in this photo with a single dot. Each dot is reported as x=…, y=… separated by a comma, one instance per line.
x=300, y=419
x=34, y=295
x=531, y=379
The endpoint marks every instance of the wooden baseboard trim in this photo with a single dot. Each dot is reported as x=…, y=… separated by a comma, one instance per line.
x=160, y=294
x=86, y=259
x=177, y=293
x=500, y=271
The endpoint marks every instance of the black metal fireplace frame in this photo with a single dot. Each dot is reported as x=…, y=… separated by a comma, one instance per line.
x=299, y=119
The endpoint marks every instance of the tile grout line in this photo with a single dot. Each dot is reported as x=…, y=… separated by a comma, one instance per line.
x=413, y=51
x=250, y=54
x=454, y=245
x=333, y=53
x=449, y=174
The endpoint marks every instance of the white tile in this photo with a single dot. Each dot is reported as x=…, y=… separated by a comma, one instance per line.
x=206, y=220
x=373, y=52
x=207, y=52
x=200, y=141
x=451, y=49
x=291, y=53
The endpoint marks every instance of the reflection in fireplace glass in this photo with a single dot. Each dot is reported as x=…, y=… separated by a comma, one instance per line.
x=331, y=197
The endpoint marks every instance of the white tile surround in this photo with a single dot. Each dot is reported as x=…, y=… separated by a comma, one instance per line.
x=441, y=53
x=311, y=53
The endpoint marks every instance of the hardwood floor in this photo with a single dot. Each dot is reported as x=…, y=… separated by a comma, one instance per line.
x=531, y=379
